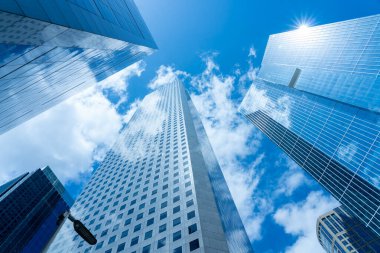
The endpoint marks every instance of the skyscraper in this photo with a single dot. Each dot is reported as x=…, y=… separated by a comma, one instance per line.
x=50, y=50
x=159, y=188
x=330, y=126
x=339, y=231
x=29, y=209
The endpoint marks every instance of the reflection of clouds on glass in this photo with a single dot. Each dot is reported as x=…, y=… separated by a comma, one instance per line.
x=347, y=152
x=45, y=64
x=258, y=100
x=146, y=123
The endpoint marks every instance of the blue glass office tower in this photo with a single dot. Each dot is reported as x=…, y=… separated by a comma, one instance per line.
x=322, y=109
x=50, y=50
x=339, y=232
x=160, y=188
x=29, y=209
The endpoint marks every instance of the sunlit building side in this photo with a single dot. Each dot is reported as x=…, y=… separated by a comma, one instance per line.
x=334, y=137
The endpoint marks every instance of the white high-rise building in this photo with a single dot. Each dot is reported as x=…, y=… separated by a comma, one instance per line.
x=160, y=187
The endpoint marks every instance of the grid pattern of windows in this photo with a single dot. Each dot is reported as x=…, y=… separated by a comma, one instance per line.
x=340, y=61
x=336, y=143
x=339, y=232
x=142, y=196
x=48, y=54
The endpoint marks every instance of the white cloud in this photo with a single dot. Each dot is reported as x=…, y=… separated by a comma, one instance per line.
x=165, y=75
x=299, y=219
x=279, y=110
x=132, y=109
x=67, y=137
x=219, y=115
x=119, y=81
x=252, y=52
x=71, y=135
x=291, y=179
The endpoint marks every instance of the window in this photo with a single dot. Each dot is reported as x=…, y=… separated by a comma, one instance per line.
x=139, y=216
x=104, y=233
x=176, y=198
x=152, y=210
x=127, y=222
x=162, y=228
x=176, y=221
x=150, y=222
x=137, y=228
x=116, y=227
x=134, y=241
x=99, y=245
x=192, y=228
x=194, y=245
x=176, y=236
x=188, y=193
x=161, y=243
x=189, y=203
x=176, y=209
x=177, y=250
x=190, y=215
x=112, y=239
x=148, y=234
x=163, y=215
x=146, y=249
x=120, y=247
x=124, y=233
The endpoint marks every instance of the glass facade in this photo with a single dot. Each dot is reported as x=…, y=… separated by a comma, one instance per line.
x=50, y=50
x=340, y=61
x=159, y=188
x=340, y=232
x=336, y=142
x=29, y=208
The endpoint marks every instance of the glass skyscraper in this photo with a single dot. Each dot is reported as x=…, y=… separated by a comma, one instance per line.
x=159, y=188
x=29, y=209
x=322, y=110
x=339, y=232
x=49, y=50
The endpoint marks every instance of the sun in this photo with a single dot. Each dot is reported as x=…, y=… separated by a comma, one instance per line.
x=303, y=27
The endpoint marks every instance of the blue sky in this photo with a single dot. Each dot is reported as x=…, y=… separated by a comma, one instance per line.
x=215, y=47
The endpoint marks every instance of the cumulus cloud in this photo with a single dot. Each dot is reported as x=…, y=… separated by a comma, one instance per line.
x=67, y=137
x=119, y=81
x=299, y=219
x=252, y=52
x=132, y=109
x=116, y=85
x=291, y=179
x=246, y=79
x=72, y=135
x=165, y=75
x=212, y=96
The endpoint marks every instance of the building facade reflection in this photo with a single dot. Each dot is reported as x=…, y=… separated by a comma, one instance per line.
x=317, y=115
x=50, y=50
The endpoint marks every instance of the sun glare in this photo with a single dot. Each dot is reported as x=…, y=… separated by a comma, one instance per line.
x=303, y=27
